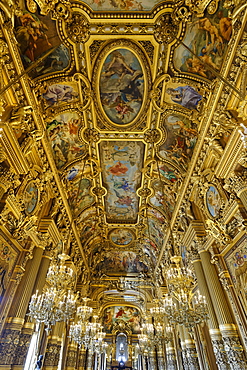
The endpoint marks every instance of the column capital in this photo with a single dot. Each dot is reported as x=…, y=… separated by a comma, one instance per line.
x=237, y=184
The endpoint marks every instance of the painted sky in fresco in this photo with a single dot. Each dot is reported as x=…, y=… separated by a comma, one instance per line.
x=123, y=5
x=121, y=164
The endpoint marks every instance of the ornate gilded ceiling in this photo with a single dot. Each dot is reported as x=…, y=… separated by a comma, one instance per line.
x=124, y=93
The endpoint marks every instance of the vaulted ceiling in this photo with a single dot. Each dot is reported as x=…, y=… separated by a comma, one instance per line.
x=124, y=94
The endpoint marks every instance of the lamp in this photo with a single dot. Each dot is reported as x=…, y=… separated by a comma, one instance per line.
x=88, y=334
x=57, y=302
x=181, y=305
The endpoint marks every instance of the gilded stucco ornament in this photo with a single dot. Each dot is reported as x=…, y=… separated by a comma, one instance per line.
x=78, y=28
x=166, y=29
x=91, y=135
x=218, y=232
x=60, y=8
x=242, y=109
x=152, y=136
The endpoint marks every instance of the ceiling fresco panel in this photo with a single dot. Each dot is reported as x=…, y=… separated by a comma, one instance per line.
x=181, y=137
x=121, y=237
x=122, y=82
x=207, y=37
x=121, y=163
x=121, y=86
x=121, y=262
x=121, y=5
x=63, y=133
x=36, y=35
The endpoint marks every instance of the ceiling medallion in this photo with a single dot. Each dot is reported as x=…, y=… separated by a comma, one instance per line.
x=121, y=237
x=122, y=82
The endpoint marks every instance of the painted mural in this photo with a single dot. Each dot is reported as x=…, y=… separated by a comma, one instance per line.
x=183, y=95
x=130, y=315
x=121, y=86
x=237, y=264
x=89, y=230
x=121, y=236
x=167, y=172
x=150, y=249
x=121, y=164
x=154, y=232
x=179, y=145
x=213, y=201
x=63, y=133
x=122, y=5
x=121, y=261
x=164, y=197
x=157, y=215
x=36, y=35
x=30, y=197
x=207, y=37
x=78, y=187
x=58, y=94
x=8, y=258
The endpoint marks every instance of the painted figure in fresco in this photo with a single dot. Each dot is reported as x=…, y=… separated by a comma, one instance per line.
x=117, y=66
x=225, y=25
x=212, y=32
x=27, y=35
x=59, y=93
x=118, y=169
x=197, y=64
x=64, y=139
x=108, y=319
x=124, y=199
x=121, y=86
x=185, y=96
x=213, y=201
x=207, y=37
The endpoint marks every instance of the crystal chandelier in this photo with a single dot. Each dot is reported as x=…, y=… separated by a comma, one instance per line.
x=154, y=334
x=89, y=335
x=50, y=307
x=60, y=275
x=181, y=305
x=57, y=302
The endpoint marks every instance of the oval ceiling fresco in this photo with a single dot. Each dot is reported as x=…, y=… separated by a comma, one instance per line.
x=121, y=86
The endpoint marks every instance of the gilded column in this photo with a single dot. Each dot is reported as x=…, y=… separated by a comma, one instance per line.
x=171, y=360
x=53, y=348
x=152, y=359
x=89, y=364
x=238, y=184
x=160, y=358
x=10, y=341
x=72, y=356
x=81, y=359
x=235, y=355
x=216, y=338
x=183, y=348
x=190, y=350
